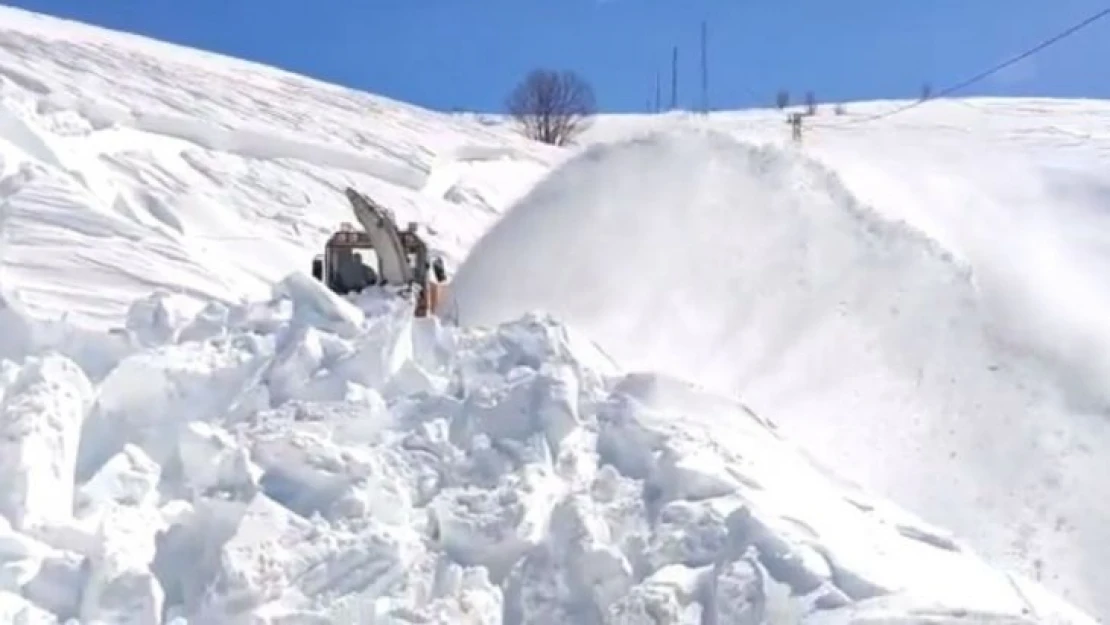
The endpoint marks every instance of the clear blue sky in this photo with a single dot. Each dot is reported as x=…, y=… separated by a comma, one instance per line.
x=469, y=53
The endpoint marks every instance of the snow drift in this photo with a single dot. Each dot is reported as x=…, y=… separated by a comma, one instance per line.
x=753, y=270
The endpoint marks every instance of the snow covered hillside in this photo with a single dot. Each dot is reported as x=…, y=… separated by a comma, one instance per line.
x=193, y=431
x=129, y=165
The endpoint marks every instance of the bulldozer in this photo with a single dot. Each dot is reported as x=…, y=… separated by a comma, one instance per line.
x=400, y=258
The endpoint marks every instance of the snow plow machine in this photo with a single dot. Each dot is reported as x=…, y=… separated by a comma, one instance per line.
x=399, y=258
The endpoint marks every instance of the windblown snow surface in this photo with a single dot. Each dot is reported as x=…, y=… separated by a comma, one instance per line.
x=194, y=431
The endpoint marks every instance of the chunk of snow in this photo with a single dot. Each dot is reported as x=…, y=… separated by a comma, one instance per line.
x=668, y=597
x=59, y=584
x=315, y=305
x=128, y=597
x=210, y=322
x=129, y=478
x=41, y=416
x=181, y=383
x=211, y=460
x=276, y=555
x=736, y=594
x=160, y=317
x=16, y=610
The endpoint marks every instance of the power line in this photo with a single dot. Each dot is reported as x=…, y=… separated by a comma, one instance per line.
x=989, y=72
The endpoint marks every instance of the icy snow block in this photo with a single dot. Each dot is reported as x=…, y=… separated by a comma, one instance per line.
x=15, y=339
x=20, y=557
x=795, y=563
x=693, y=475
x=315, y=305
x=294, y=365
x=557, y=397
x=545, y=401
x=211, y=322
x=275, y=553
x=457, y=595
x=49, y=578
x=594, y=565
x=666, y=598
x=538, y=339
x=158, y=318
x=688, y=533
x=304, y=471
x=129, y=478
x=262, y=558
x=211, y=460
x=15, y=610
x=536, y=593
x=380, y=353
x=180, y=383
x=40, y=429
x=493, y=528
x=578, y=568
x=735, y=595
x=58, y=585
x=130, y=597
x=121, y=588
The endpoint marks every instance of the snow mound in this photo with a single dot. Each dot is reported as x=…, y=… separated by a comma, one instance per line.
x=312, y=458
x=752, y=269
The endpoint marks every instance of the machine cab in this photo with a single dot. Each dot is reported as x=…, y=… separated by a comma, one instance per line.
x=349, y=262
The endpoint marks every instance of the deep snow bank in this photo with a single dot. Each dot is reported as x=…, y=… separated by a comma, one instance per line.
x=751, y=269
x=317, y=460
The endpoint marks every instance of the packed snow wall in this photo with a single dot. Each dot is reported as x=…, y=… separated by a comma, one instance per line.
x=752, y=269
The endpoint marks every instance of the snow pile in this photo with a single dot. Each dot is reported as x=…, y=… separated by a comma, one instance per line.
x=314, y=459
x=753, y=269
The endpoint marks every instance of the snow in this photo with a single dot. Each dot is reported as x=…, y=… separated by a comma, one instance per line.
x=195, y=431
x=944, y=372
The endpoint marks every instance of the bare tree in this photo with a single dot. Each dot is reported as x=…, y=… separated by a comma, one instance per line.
x=551, y=106
x=811, y=103
x=782, y=99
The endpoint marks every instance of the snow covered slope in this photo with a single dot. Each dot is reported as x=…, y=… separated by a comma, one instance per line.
x=127, y=165
x=245, y=447
x=923, y=310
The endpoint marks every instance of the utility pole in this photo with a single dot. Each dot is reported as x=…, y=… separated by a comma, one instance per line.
x=704, y=69
x=674, y=79
x=658, y=93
